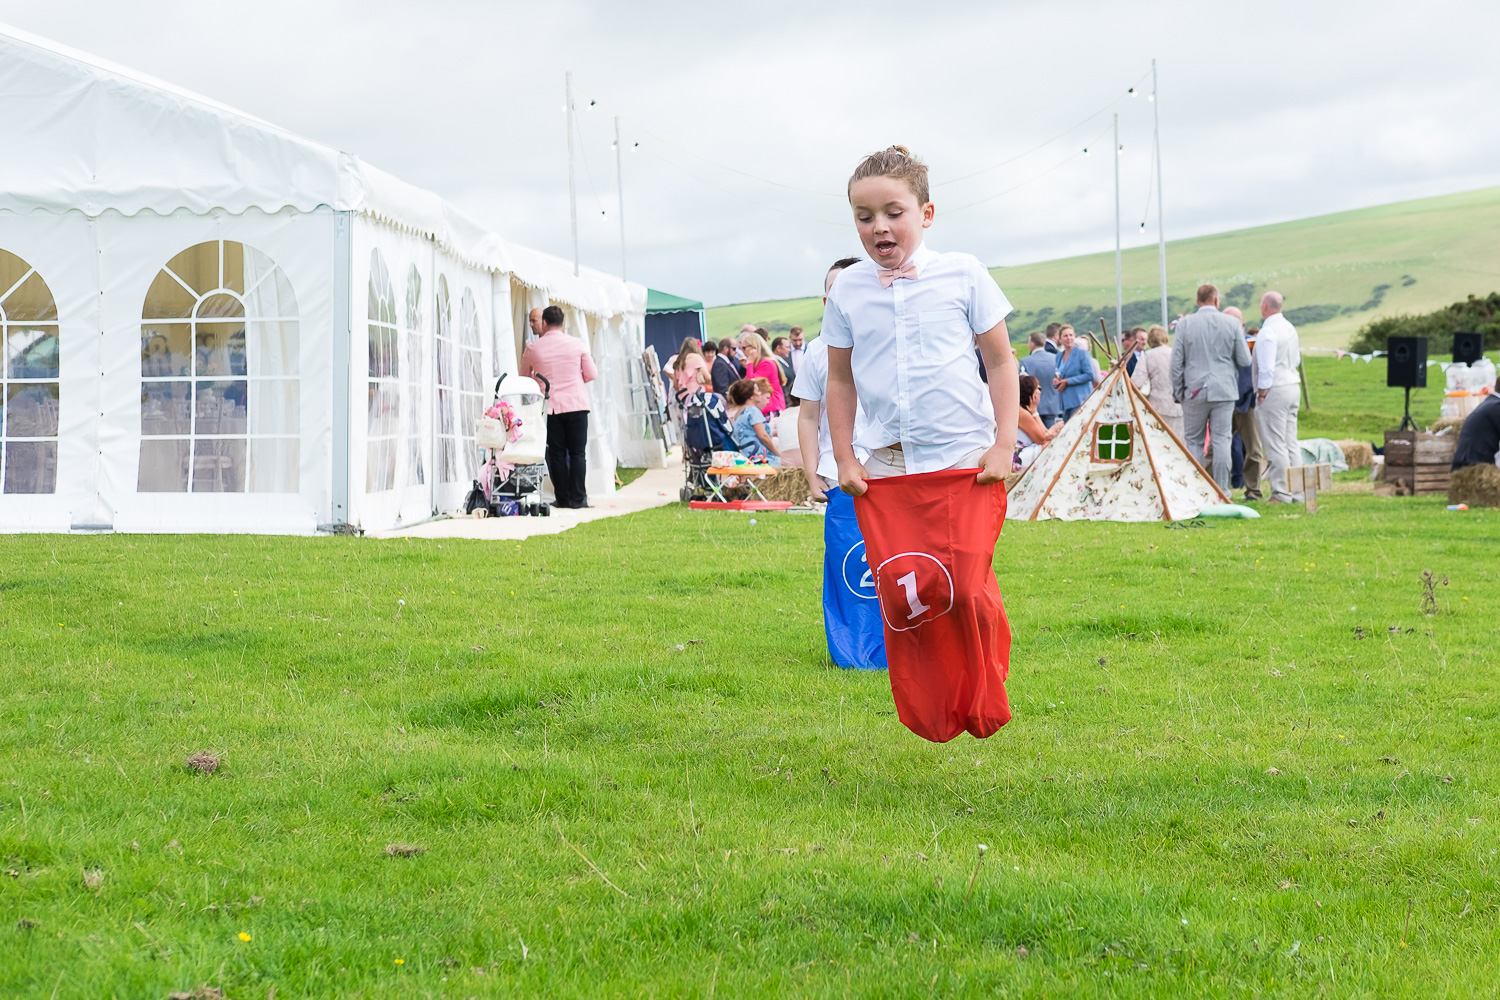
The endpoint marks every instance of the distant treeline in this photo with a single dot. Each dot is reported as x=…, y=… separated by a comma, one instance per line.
x=1475, y=315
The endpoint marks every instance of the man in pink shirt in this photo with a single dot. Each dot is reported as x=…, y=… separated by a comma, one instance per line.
x=565, y=363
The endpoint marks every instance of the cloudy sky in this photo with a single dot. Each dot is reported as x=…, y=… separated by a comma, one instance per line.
x=750, y=116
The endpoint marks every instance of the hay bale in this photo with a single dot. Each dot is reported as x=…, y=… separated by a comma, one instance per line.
x=1475, y=485
x=1446, y=422
x=1357, y=454
x=788, y=484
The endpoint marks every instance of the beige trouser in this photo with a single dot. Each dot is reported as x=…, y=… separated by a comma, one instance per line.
x=886, y=462
x=1244, y=424
x=1277, y=416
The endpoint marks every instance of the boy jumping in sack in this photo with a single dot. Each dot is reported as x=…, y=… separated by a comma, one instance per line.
x=902, y=328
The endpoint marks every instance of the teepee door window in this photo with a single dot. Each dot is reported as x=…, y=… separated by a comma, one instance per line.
x=1112, y=442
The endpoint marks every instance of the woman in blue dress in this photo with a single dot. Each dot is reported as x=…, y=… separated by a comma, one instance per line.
x=747, y=421
x=1075, y=372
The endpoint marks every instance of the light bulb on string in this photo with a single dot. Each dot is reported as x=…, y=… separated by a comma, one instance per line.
x=1150, y=97
x=1131, y=92
x=592, y=103
x=1085, y=151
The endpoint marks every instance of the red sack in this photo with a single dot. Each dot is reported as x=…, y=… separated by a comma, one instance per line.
x=930, y=539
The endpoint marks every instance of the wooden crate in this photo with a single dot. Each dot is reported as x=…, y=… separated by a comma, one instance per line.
x=1420, y=480
x=1430, y=479
x=1409, y=448
x=1399, y=446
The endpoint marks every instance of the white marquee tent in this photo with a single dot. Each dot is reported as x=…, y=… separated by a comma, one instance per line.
x=211, y=324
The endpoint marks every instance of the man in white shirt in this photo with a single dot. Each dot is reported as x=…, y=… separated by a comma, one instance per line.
x=799, y=348
x=1278, y=354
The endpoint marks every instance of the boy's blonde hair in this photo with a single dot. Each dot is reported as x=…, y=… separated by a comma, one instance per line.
x=899, y=163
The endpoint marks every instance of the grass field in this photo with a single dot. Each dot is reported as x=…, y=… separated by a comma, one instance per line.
x=1338, y=272
x=1244, y=762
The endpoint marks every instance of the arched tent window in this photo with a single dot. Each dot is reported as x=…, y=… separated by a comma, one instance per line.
x=220, y=398
x=471, y=379
x=29, y=379
x=415, y=474
x=384, y=413
x=447, y=389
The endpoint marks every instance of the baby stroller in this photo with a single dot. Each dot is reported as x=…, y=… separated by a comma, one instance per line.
x=514, y=433
x=705, y=431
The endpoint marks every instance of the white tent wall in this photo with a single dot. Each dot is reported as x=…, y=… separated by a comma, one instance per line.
x=418, y=375
x=134, y=252
x=392, y=388
x=100, y=271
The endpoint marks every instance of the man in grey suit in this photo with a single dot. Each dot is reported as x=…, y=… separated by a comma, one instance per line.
x=1207, y=355
x=1041, y=365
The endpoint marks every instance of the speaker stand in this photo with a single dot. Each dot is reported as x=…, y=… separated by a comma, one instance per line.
x=1407, y=421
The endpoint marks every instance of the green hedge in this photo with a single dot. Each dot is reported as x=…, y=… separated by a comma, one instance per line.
x=1475, y=314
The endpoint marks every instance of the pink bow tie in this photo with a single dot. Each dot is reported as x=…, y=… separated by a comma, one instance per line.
x=888, y=275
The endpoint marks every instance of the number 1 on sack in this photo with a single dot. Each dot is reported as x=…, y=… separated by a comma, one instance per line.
x=908, y=583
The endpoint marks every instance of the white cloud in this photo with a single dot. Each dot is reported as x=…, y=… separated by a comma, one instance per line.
x=1271, y=111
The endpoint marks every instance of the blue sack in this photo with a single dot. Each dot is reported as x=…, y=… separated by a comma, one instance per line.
x=851, y=614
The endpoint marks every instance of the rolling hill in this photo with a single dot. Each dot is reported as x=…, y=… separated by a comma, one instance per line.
x=1337, y=272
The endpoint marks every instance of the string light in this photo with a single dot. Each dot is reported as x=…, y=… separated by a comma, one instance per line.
x=1131, y=92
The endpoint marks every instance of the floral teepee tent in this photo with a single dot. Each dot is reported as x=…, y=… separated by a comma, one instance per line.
x=1114, y=461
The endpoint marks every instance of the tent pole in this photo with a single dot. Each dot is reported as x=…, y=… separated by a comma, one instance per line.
x=572, y=188
x=1161, y=232
x=620, y=190
x=1119, y=287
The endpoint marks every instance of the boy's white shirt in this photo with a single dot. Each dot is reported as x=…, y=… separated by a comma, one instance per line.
x=812, y=386
x=915, y=369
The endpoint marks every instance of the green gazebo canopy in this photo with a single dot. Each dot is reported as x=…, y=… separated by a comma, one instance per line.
x=661, y=302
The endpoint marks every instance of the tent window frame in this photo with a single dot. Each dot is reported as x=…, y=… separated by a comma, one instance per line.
x=383, y=416
x=39, y=475
x=256, y=450
x=1107, y=448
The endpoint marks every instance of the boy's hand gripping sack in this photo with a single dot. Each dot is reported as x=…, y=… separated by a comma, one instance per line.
x=930, y=540
x=851, y=615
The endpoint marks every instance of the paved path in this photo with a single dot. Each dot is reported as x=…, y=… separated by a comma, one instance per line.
x=655, y=488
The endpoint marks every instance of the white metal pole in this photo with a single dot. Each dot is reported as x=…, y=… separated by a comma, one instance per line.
x=1161, y=232
x=620, y=191
x=572, y=188
x=1119, y=284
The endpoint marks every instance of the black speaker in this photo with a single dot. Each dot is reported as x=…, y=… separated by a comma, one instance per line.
x=1467, y=347
x=1406, y=363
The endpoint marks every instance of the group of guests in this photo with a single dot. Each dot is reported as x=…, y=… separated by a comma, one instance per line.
x=753, y=375
x=1230, y=393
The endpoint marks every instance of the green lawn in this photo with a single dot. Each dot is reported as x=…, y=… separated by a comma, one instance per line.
x=1243, y=762
x=1344, y=269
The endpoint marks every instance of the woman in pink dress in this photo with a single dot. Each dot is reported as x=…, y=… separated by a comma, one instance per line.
x=690, y=371
x=758, y=364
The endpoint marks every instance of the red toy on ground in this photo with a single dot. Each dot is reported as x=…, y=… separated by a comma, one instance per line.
x=930, y=540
